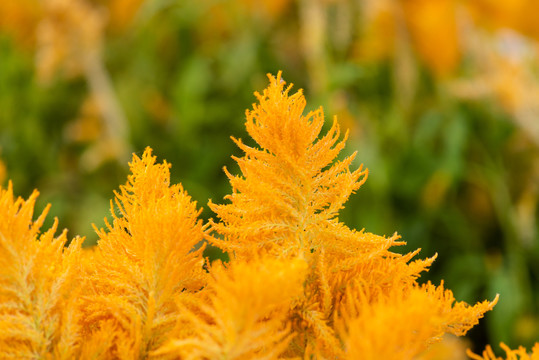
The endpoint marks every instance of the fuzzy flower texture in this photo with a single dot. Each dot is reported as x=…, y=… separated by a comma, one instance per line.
x=300, y=284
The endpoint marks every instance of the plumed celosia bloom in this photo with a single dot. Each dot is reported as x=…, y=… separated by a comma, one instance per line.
x=245, y=314
x=518, y=354
x=143, y=260
x=38, y=275
x=288, y=198
x=405, y=322
x=286, y=204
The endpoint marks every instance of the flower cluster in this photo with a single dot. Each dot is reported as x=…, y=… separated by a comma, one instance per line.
x=299, y=283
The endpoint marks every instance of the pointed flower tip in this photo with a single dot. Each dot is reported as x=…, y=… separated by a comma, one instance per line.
x=277, y=82
x=277, y=79
x=495, y=301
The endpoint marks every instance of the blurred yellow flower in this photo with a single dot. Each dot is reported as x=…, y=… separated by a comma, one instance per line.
x=433, y=30
x=430, y=27
x=19, y=19
x=377, y=30
x=39, y=275
x=69, y=35
x=504, y=67
x=245, y=317
x=519, y=15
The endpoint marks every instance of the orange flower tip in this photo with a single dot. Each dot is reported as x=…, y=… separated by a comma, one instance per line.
x=278, y=78
x=472, y=355
x=495, y=301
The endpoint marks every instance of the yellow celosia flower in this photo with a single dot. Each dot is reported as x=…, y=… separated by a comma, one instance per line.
x=245, y=314
x=417, y=317
x=519, y=354
x=143, y=260
x=38, y=277
x=286, y=204
x=288, y=199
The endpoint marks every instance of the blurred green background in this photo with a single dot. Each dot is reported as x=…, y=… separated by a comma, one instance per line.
x=441, y=99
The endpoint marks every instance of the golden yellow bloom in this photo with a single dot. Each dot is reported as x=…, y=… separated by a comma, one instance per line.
x=288, y=199
x=38, y=279
x=286, y=204
x=144, y=259
x=519, y=354
x=244, y=317
x=402, y=324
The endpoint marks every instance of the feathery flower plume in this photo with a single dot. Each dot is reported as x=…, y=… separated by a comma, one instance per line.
x=38, y=276
x=143, y=260
x=285, y=204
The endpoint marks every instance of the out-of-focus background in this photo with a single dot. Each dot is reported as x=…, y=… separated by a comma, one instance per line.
x=441, y=98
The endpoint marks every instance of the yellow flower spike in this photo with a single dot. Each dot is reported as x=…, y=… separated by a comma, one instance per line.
x=287, y=200
x=38, y=277
x=402, y=324
x=285, y=204
x=144, y=259
x=245, y=317
x=519, y=354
